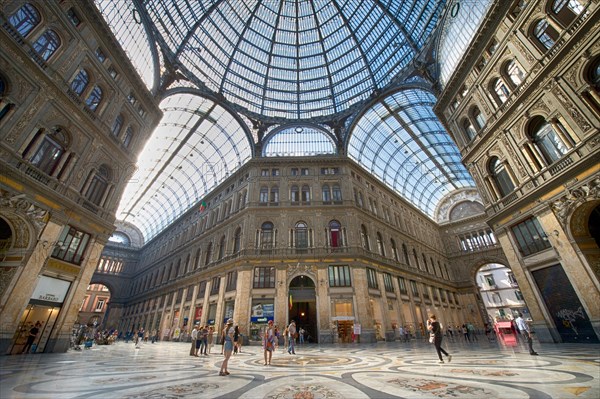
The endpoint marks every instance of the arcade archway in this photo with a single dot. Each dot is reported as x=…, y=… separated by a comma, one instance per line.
x=303, y=306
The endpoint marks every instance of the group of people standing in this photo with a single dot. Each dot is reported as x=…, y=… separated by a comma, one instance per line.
x=202, y=339
x=270, y=338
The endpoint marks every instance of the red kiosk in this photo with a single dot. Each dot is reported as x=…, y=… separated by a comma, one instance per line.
x=506, y=332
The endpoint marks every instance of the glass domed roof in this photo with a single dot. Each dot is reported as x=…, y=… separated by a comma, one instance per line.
x=294, y=59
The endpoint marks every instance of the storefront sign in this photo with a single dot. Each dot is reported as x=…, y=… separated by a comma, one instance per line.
x=262, y=312
x=51, y=290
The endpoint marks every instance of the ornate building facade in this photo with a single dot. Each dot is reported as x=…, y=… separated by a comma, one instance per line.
x=322, y=187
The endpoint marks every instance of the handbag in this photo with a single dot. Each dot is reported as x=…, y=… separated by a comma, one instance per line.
x=431, y=338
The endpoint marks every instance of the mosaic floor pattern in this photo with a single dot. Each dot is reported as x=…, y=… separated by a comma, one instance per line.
x=385, y=370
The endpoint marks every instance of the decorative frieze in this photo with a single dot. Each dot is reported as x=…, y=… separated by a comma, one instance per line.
x=564, y=206
x=573, y=111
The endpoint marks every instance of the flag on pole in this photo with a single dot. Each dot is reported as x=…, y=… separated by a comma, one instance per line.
x=291, y=302
x=202, y=206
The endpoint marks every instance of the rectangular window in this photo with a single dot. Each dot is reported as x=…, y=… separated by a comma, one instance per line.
x=215, y=285
x=201, y=290
x=264, y=277
x=339, y=276
x=489, y=280
x=425, y=291
x=387, y=282
x=100, y=305
x=100, y=55
x=71, y=245
x=294, y=171
x=519, y=295
x=372, y=278
x=304, y=171
x=274, y=172
x=402, y=285
x=73, y=17
x=414, y=288
x=231, y=281
x=530, y=237
x=264, y=172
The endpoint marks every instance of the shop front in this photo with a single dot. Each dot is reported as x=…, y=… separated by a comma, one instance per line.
x=38, y=320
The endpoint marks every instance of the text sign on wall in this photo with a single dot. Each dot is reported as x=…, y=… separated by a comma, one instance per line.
x=51, y=289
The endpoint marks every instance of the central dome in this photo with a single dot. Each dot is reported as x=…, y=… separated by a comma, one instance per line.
x=293, y=59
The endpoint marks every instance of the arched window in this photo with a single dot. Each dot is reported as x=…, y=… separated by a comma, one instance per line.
x=301, y=235
x=98, y=185
x=514, y=72
x=274, y=195
x=566, y=11
x=326, y=193
x=546, y=140
x=222, y=248
x=237, y=240
x=501, y=90
x=380, y=246
x=360, y=199
x=266, y=235
x=47, y=44
x=545, y=34
x=25, y=19
x=264, y=195
x=306, y=194
x=479, y=118
x=49, y=153
x=394, y=249
x=295, y=194
x=94, y=98
x=405, y=253
x=335, y=239
x=80, y=82
x=337, y=193
x=469, y=130
x=127, y=137
x=117, y=125
x=500, y=177
x=593, y=75
x=5, y=106
x=208, y=257
x=364, y=237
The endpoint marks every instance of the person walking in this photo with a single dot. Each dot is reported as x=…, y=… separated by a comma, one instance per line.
x=465, y=332
x=227, y=346
x=236, y=337
x=269, y=338
x=292, y=337
x=525, y=332
x=210, y=335
x=436, y=331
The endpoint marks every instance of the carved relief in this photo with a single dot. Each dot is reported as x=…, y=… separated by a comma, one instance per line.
x=523, y=50
x=565, y=205
x=572, y=74
x=31, y=212
x=581, y=121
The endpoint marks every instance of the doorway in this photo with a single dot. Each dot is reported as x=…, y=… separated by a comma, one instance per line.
x=43, y=317
x=303, y=307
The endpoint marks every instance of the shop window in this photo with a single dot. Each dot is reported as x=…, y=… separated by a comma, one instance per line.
x=264, y=277
x=47, y=44
x=546, y=140
x=530, y=237
x=25, y=19
x=339, y=276
x=71, y=245
x=80, y=82
x=500, y=177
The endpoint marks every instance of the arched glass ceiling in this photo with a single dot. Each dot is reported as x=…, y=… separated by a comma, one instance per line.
x=401, y=141
x=461, y=21
x=125, y=24
x=195, y=147
x=294, y=59
x=298, y=141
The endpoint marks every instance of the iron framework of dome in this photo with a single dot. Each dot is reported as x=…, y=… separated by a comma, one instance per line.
x=281, y=63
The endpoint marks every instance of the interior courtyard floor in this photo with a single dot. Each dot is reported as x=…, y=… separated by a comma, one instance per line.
x=345, y=371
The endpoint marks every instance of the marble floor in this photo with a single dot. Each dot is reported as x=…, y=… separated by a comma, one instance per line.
x=383, y=370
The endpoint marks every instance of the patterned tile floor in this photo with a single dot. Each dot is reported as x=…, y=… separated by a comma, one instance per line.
x=383, y=370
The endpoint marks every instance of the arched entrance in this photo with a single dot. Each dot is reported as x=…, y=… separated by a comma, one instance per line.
x=500, y=295
x=303, y=306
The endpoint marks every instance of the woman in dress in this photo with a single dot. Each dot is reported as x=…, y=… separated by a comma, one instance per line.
x=269, y=342
x=227, y=346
